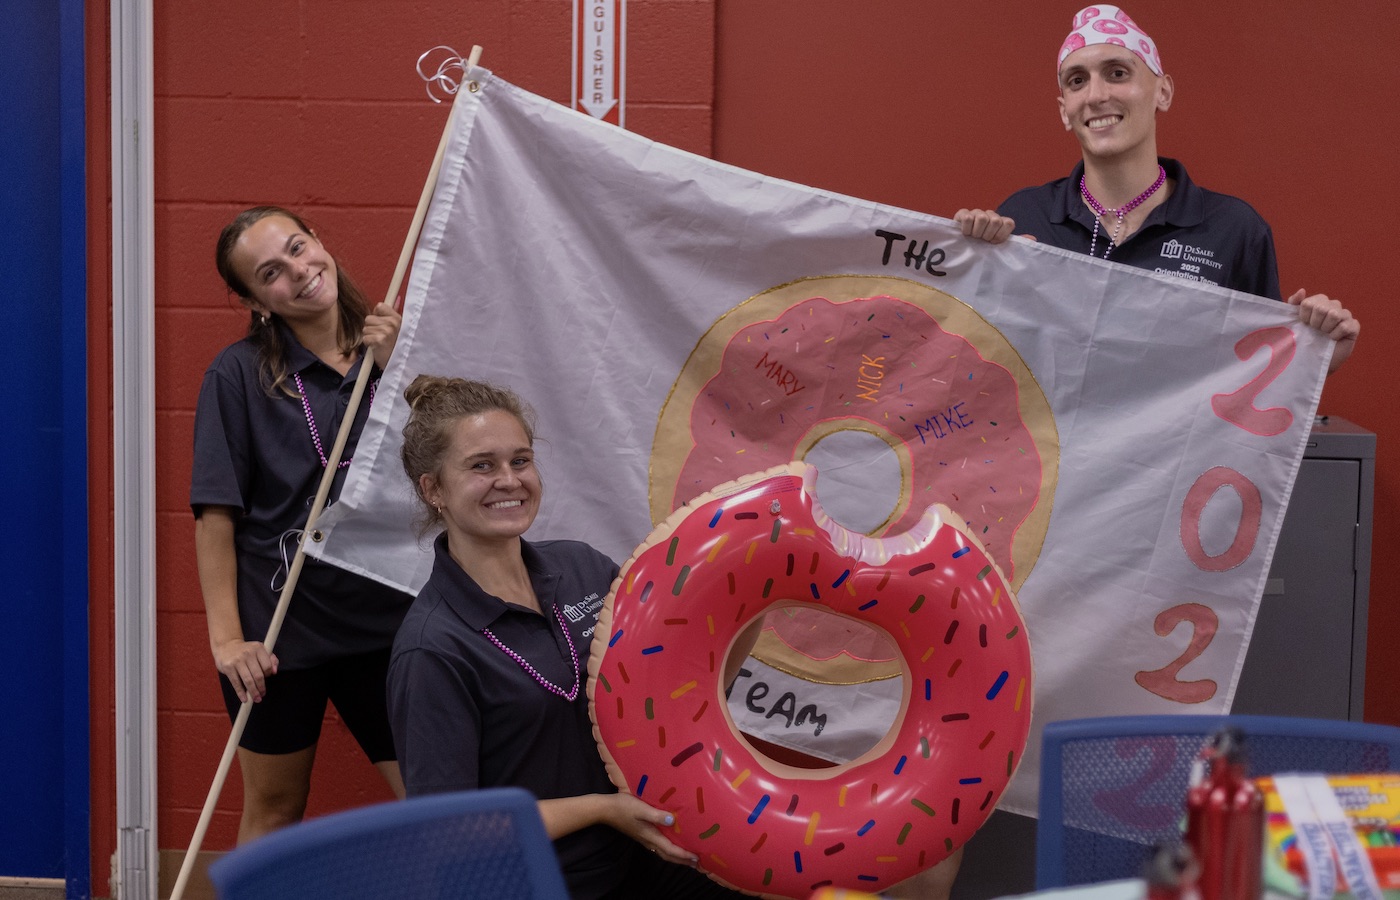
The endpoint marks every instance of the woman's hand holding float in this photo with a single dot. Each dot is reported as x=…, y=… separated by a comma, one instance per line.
x=623, y=812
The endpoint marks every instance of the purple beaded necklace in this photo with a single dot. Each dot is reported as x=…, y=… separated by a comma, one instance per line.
x=1100, y=210
x=311, y=421
x=572, y=693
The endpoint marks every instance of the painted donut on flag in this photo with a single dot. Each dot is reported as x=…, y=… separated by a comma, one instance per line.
x=893, y=362
x=662, y=724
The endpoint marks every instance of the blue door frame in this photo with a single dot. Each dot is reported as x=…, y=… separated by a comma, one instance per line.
x=44, y=717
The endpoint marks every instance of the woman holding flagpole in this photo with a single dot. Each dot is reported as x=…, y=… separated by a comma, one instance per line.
x=487, y=680
x=269, y=410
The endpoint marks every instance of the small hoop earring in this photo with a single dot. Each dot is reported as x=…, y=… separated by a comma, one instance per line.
x=264, y=318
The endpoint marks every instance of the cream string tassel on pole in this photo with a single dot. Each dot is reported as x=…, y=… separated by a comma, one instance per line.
x=341, y=438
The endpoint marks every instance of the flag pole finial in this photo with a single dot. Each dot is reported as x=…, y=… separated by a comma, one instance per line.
x=448, y=76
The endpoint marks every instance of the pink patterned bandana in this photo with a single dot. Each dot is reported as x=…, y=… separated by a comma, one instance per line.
x=1104, y=24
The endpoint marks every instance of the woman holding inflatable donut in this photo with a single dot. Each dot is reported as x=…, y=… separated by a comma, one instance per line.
x=487, y=677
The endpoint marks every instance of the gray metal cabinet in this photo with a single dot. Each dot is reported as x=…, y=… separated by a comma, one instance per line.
x=1307, y=656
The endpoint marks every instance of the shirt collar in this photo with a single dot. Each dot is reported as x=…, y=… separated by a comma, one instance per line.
x=476, y=607
x=1185, y=208
x=299, y=359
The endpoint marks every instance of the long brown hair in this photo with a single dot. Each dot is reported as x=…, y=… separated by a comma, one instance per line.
x=436, y=403
x=262, y=330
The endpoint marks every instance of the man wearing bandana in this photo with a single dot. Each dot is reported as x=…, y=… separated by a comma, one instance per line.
x=1125, y=203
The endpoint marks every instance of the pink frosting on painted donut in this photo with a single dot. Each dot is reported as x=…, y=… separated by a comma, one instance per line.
x=886, y=364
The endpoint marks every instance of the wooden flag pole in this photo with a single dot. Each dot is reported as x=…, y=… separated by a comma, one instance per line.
x=327, y=478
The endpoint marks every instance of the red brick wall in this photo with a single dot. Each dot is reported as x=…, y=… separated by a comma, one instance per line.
x=101, y=696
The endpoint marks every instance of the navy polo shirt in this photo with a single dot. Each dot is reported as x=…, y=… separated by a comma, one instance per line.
x=465, y=714
x=256, y=453
x=1197, y=234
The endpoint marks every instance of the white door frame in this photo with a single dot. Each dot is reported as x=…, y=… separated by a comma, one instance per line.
x=134, y=868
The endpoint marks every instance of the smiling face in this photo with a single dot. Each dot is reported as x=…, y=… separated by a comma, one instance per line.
x=286, y=271
x=1109, y=98
x=487, y=488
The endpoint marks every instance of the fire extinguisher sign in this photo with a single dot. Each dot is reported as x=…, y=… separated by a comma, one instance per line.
x=600, y=58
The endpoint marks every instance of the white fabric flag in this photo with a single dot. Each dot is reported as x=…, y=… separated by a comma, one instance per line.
x=1124, y=443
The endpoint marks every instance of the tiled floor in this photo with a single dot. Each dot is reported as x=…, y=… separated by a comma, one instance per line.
x=31, y=889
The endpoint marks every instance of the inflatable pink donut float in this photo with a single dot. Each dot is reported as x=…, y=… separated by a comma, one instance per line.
x=662, y=724
x=913, y=366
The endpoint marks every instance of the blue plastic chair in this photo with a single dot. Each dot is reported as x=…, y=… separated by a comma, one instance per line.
x=485, y=843
x=1113, y=787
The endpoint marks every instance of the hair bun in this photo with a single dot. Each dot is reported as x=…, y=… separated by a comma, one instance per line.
x=424, y=389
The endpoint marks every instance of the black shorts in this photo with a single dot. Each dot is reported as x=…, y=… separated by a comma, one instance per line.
x=288, y=718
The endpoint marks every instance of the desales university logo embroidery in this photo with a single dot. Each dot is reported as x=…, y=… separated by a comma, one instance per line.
x=1196, y=263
